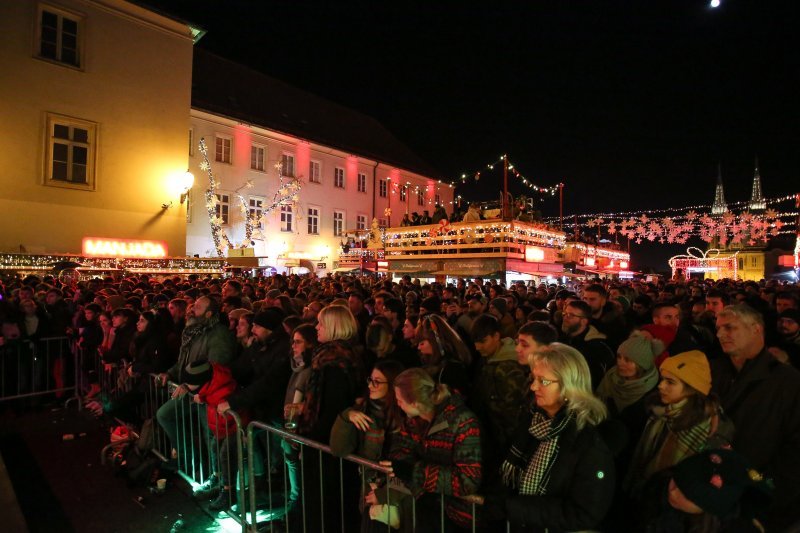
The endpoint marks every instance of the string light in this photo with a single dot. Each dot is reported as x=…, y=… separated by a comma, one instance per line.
x=173, y=265
x=513, y=169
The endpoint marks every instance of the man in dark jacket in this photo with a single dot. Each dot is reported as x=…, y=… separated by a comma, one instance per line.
x=762, y=398
x=578, y=333
x=606, y=316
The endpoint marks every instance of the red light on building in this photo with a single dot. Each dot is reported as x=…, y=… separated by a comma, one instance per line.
x=103, y=247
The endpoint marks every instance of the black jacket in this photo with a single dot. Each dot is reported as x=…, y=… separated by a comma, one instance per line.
x=593, y=346
x=763, y=401
x=262, y=373
x=580, y=490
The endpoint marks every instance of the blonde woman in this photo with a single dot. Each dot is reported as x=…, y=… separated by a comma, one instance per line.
x=559, y=469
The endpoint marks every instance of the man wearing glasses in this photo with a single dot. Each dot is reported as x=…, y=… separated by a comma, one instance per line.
x=581, y=335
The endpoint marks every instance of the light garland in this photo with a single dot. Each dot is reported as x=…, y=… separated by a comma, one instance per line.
x=724, y=266
x=176, y=265
x=525, y=181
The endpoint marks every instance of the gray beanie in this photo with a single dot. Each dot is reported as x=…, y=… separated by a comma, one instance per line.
x=641, y=350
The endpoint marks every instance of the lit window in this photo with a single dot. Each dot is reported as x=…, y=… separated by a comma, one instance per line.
x=382, y=188
x=71, y=152
x=58, y=37
x=287, y=165
x=257, y=153
x=438, y=199
x=286, y=218
x=338, y=223
x=223, y=207
x=313, y=221
x=361, y=222
x=338, y=177
x=314, y=172
x=222, y=152
x=255, y=209
x=420, y=197
x=362, y=182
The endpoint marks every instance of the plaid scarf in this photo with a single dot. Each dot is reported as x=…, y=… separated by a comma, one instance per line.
x=529, y=469
x=189, y=334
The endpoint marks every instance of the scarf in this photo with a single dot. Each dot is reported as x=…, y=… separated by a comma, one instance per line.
x=625, y=392
x=334, y=353
x=530, y=470
x=662, y=447
x=189, y=335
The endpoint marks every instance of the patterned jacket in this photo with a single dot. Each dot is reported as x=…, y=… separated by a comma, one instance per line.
x=443, y=457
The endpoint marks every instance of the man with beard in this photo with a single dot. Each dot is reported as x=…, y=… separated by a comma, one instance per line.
x=581, y=335
x=606, y=316
x=204, y=338
x=787, y=349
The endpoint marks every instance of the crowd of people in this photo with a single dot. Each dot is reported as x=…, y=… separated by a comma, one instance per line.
x=603, y=405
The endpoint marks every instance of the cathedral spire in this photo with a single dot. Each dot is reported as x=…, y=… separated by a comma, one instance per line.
x=719, y=206
x=757, y=202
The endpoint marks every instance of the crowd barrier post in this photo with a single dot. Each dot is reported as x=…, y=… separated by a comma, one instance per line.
x=30, y=369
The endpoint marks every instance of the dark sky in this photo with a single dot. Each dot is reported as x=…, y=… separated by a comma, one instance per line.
x=631, y=104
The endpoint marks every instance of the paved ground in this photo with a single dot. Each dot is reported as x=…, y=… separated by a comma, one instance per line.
x=61, y=486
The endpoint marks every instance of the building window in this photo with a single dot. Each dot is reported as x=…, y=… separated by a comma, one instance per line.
x=71, y=152
x=314, y=172
x=361, y=222
x=223, y=208
x=255, y=209
x=420, y=197
x=382, y=222
x=382, y=188
x=287, y=165
x=438, y=199
x=313, y=221
x=222, y=151
x=286, y=218
x=338, y=223
x=403, y=193
x=59, y=37
x=753, y=261
x=257, y=153
x=362, y=182
x=338, y=177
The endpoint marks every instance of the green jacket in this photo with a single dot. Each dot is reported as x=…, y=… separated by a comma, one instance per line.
x=500, y=389
x=215, y=343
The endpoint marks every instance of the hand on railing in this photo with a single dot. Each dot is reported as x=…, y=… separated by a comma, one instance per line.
x=161, y=379
x=179, y=391
x=223, y=407
x=474, y=498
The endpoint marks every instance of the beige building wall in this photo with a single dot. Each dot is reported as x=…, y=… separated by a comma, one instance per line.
x=133, y=87
x=280, y=245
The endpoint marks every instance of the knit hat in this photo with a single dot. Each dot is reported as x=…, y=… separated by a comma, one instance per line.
x=198, y=373
x=270, y=318
x=501, y=304
x=641, y=350
x=665, y=334
x=692, y=368
x=791, y=314
x=432, y=304
x=716, y=480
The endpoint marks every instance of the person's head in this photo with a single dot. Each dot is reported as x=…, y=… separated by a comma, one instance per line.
x=636, y=356
x=417, y=394
x=267, y=323
x=395, y=311
x=684, y=375
x=666, y=314
x=485, y=333
x=561, y=378
x=244, y=325
x=53, y=296
x=596, y=296
x=122, y=316
x=475, y=305
x=28, y=307
x=356, y=302
x=498, y=307
x=203, y=309
x=410, y=327
x=740, y=330
x=784, y=301
x=575, y=317
x=104, y=319
x=380, y=383
x=311, y=311
x=231, y=288
x=789, y=322
x=533, y=336
x=379, y=337
x=716, y=300
x=91, y=312
x=304, y=340
x=233, y=317
x=147, y=323
x=336, y=322
x=177, y=308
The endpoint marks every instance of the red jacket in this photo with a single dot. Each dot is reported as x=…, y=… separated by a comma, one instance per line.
x=214, y=393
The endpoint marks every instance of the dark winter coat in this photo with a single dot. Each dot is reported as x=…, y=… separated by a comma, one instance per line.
x=215, y=344
x=580, y=490
x=593, y=346
x=122, y=344
x=443, y=457
x=612, y=324
x=763, y=401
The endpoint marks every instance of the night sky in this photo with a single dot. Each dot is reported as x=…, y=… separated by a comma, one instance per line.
x=630, y=104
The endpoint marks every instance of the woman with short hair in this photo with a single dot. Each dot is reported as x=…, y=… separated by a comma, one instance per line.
x=559, y=469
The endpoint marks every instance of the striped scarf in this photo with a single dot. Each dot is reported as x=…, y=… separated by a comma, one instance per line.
x=530, y=471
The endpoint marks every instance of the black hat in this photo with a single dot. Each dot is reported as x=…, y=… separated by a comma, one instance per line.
x=791, y=314
x=432, y=304
x=716, y=480
x=501, y=304
x=198, y=373
x=270, y=318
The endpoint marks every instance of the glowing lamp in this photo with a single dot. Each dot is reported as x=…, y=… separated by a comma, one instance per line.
x=533, y=254
x=590, y=261
x=623, y=265
x=715, y=3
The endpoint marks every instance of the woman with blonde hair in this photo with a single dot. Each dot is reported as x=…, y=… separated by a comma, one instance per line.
x=559, y=453
x=437, y=450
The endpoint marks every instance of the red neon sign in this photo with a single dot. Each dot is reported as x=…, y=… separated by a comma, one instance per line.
x=103, y=247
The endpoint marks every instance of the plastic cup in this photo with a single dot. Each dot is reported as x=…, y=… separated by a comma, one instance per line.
x=291, y=418
x=161, y=484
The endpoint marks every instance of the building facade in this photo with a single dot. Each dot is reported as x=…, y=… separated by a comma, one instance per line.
x=97, y=95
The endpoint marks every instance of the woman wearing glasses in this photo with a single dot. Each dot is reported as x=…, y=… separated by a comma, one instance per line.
x=366, y=429
x=559, y=469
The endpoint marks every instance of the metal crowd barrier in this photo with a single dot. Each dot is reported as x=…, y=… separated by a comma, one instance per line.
x=198, y=455
x=31, y=369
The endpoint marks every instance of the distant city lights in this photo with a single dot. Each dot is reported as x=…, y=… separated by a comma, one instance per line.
x=715, y=3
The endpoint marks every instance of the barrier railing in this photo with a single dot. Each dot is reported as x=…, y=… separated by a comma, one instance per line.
x=31, y=369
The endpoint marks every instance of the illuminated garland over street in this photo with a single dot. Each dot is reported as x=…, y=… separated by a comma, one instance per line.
x=288, y=193
x=512, y=168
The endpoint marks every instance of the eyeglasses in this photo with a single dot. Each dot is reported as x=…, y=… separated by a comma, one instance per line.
x=376, y=382
x=572, y=315
x=544, y=382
